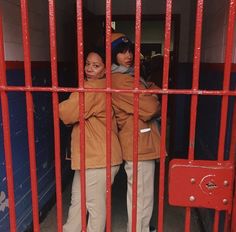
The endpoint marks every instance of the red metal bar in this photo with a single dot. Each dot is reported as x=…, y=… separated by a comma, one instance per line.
x=233, y=218
x=233, y=136
x=140, y=91
x=54, y=74
x=108, y=115
x=79, y=16
x=232, y=158
x=137, y=43
x=226, y=83
x=216, y=221
x=39, y=64
x=227, y=218
x=196, y=65
x=194, y=98
x=164, y=114
x=30, y=114
x=187, y=219
x=136, y=111
x=7, y=136
x=227, y=221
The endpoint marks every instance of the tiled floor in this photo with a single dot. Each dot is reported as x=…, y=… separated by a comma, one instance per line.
x=174, y=217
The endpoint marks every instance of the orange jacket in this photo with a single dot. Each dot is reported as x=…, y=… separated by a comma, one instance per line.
x=149, y=107
x=95, y=127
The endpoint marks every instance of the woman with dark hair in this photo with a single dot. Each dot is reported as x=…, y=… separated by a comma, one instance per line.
x=149, y=138
x=95, y=147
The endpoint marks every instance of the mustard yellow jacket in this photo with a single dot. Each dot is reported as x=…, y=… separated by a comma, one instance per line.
x=149, y=107
x=95, y=128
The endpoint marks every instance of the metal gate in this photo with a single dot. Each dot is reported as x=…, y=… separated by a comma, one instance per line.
x=207, y=184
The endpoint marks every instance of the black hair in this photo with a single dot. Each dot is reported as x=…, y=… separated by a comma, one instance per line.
x=121, y=48
x=100, y=51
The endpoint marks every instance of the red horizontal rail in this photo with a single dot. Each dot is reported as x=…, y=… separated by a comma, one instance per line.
x=108, y=90
x=46, y=64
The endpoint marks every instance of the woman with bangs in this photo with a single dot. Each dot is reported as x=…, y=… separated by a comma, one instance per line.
x=148, y=134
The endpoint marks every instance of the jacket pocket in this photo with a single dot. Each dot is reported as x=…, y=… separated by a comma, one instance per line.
x=145, y=144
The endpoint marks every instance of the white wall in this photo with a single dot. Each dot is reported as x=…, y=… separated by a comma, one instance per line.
x=214, y=27
x=215, y=32
x=39, y=32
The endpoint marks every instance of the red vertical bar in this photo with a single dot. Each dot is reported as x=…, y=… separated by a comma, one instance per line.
x=164, y=113
x=187, y=219
x=233, y=219
x=227, y=221
x=196, y=65
x=108, y=115
x=194, y=99
x=30, y=114
x=233, y=136
x=6, y=135
x=232, y=159
x=136, y=109
x=79, y=15
x=216, y=221
x=226, y=83
x=54, y=74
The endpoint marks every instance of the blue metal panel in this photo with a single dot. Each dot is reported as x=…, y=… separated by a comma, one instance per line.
x=208, y=116
x=44, y=144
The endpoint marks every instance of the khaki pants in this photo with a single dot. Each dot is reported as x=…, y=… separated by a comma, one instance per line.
x=145, y=194
x=95, y=200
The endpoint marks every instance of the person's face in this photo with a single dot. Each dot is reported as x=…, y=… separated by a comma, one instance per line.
x=125, y=58
x=94, y=66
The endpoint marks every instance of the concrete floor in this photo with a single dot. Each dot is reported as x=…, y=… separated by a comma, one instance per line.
x=174, y=217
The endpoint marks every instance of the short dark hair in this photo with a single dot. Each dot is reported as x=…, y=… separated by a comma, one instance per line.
x=100, y=51
x=121, y=48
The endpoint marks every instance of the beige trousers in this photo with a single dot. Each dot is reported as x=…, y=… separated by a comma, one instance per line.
x=145, y=194
x=95, y=200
